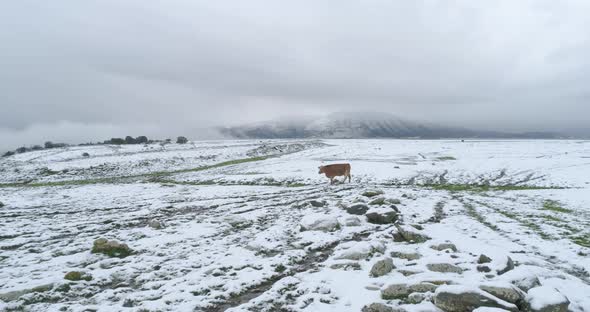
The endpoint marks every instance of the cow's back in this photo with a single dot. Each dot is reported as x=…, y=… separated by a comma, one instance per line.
x=337, y=169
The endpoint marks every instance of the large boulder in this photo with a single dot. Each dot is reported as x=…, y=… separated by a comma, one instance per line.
x=380, y=307
x=457, y=298
x=401, y=291
x=411, y=235
x=506, y=292
x=546, y=299
x=444, y=268
x=382, y=267
x=352, y=221
x=387, y=217
x=181, y=140
x=111, y=248
x=406, y=255
x=357, y=209
x=142, y=139
x=319, y=222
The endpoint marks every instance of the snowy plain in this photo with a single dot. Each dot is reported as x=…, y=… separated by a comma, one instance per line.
x=251, y=226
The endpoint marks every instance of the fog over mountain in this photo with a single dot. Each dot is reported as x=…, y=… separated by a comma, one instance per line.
x=82, y=71
x=358, y=125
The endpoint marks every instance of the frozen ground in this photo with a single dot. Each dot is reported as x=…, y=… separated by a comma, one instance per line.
x=251, y=226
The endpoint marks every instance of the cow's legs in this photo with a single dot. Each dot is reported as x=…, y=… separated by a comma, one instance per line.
x=332, y=180
x=349, y=178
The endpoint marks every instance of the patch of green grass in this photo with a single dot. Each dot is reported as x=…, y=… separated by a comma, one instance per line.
x=554, y=205
x=445, y=158
x=582, y=240
x=150, y=175
x=472, y=212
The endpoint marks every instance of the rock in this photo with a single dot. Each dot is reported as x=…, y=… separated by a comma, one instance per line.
x=85, y=155
x=111, y=248
x=319, y=222
x=361, y=250
x=406, y=255
x=412, y=236
x=357, y=209
x=415, y=298
x=378, y=201
x=317, y=203
x=393, y=201
x=382, y=218
x=382, y=267
x=441, y=247
x=379, y=307
x=483, y=268
x=484, y=259
x=456, y=298
x=488, y=309
x=142, y=139
x=155, y=224
x=77, y=276
x=401, y=291
x=509, y=265
x=444, y=268
x=347, y=266
x=14, y=295
x=546, y=299
x=130, y=140
x=1, y=204
x=372, y=193
x=408, y=272
x=507, y=292
x=526, y=283
x=352, y=221
x=181, y=140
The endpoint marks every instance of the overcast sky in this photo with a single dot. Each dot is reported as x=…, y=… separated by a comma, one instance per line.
x=89, y=70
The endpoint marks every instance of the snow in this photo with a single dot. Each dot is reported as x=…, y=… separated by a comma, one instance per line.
x=543, y=296
x=232, y=234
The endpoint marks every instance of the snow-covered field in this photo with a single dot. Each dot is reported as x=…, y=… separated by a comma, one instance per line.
x=252, y=226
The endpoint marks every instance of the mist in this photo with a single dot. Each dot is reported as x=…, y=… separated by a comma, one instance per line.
x=77, y=71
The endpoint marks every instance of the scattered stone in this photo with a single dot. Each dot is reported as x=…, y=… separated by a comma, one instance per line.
x=380, y=307
x=406, y=255
x=357, y=209
x=181, y=140
x=347, y=266
x=378, y=201
x=546, y=299
x=1, y=204
x=382, y=218
x=401, y=291
x=361, y=250
x=483, y=268
x=111, y=248
x=382, y=267
x=155, y=224
x=372, y=193
x=507, y=292
x=509, y=265
x=412, y=236
x=85, y=155
x=441, y=247
x=77, y=276
x=456, y=298
x=352, y=221
x=484, y=259
x=319, y=222
x=317, y=203
x=372, y=287
x=444, y=268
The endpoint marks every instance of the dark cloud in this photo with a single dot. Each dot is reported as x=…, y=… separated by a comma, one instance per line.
x=183, y=65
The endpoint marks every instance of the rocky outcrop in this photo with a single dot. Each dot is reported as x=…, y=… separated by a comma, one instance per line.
x=445, y=246
x=357, y=209
x=388, y=217
x=406, y=255
x=455, y=298
x=316, y=222
x=401, y=291
x=380, y=307
x=444, y=268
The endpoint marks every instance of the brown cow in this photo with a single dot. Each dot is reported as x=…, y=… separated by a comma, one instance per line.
x=336, y=170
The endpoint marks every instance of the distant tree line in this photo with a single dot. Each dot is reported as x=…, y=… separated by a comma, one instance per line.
x=115, y=141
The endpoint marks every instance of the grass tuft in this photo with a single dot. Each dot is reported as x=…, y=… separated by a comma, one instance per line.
x=553, y=205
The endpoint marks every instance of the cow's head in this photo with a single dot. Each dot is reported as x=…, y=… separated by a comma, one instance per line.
x=321, y=169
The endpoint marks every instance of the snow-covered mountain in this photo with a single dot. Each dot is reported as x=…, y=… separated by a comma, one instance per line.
x=360, y=125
